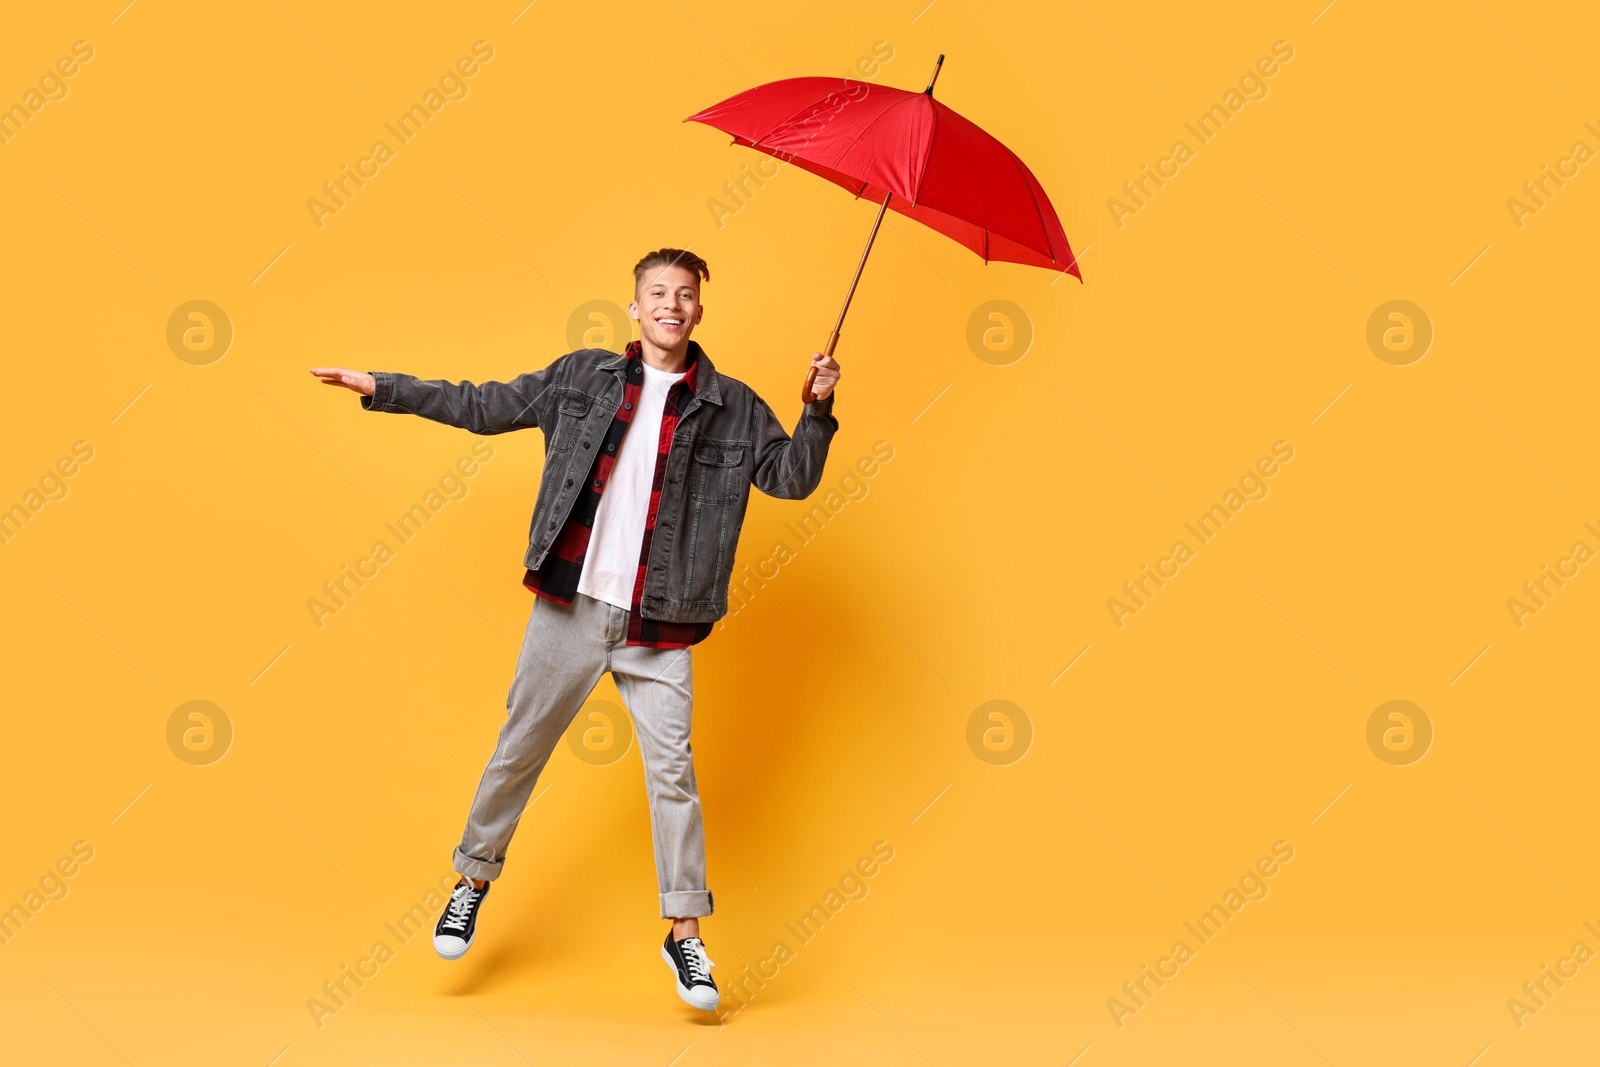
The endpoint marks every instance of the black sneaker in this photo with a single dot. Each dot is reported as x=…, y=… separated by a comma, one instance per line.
x=689, y=962
x=459, y=923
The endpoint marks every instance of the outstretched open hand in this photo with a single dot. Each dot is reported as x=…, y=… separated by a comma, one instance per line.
x=356, y=380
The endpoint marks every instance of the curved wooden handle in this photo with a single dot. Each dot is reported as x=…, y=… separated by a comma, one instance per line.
x=806, y=395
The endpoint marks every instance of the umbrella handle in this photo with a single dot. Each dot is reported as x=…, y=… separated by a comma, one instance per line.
x=806, y=395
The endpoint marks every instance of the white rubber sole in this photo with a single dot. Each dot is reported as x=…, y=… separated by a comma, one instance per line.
x=455, y=955
x=701, y=998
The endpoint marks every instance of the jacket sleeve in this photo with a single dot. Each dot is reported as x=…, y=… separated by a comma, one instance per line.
x=786, y=467
x=489, y=408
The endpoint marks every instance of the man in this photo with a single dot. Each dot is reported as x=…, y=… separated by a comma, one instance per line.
x=649, y=459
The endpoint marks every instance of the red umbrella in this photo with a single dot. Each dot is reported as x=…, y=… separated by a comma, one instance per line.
x=912, y=153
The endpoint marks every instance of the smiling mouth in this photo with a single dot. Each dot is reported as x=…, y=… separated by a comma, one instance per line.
x=669, y=323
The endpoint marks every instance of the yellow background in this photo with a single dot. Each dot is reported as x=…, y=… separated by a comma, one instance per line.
x=832, y=712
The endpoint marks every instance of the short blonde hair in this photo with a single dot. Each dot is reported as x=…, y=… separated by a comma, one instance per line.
x=669, y=257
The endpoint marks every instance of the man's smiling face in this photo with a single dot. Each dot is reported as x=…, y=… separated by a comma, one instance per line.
x=667, y=305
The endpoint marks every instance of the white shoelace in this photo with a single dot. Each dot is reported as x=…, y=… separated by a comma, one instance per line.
x=695, y=958
x=461, y=902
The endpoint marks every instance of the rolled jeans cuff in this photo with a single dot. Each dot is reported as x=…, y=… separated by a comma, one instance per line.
x=687, y=904
x=477, y=870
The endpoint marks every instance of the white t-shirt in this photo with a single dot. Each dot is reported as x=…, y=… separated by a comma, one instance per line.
x=611, y=562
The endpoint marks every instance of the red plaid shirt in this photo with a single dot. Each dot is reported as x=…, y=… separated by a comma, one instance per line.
x=556, y=579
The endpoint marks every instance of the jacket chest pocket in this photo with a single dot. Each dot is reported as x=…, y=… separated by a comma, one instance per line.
x=717, y=472
x=571, y=409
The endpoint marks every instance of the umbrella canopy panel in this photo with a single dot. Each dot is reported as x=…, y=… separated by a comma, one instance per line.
x=936, y=166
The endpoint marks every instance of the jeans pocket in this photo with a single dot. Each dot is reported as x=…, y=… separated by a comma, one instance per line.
x=718, y=472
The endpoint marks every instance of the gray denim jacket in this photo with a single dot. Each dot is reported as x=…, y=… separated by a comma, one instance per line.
x=727, y=440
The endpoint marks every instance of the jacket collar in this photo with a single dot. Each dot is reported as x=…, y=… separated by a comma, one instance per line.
x=703, y=379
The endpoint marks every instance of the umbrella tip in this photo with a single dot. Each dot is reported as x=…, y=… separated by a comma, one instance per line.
x=937, y=64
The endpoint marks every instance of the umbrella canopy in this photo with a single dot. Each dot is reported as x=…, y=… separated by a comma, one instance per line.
x=930, y=163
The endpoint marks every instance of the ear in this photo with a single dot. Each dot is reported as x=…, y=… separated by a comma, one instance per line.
x=633, y=310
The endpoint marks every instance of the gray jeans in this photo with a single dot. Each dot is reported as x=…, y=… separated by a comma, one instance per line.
x=564, y=653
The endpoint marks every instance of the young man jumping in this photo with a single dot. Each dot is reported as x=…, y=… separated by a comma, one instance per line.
x=630, y=552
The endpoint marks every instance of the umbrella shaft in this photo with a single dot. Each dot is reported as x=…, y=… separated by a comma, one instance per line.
x=859, y=268
x=806, y=394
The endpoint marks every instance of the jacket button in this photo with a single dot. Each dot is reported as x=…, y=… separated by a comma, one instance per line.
x=627, y=405
x=597, y=483
x=586, y=444
x=569, y=481
x=611, y=448
x=552, y=524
